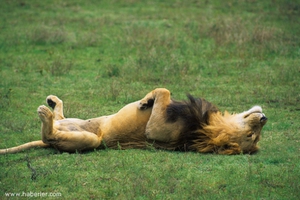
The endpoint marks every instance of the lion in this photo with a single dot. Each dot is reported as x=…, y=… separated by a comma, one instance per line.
x=155, y=121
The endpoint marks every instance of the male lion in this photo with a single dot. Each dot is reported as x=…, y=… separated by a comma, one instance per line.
x=157, y=121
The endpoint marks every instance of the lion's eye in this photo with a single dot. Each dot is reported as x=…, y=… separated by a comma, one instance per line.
x=250, y=134
x=246, y=116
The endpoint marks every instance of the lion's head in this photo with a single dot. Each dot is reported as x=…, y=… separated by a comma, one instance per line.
x=250, y=125
x=232, y=134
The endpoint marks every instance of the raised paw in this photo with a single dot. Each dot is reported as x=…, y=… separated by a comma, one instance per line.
x=144, y=104
x=52, y=101
x=44, y=113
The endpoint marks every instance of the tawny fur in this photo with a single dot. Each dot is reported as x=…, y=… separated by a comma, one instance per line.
x=156, y=121
x=25, y=146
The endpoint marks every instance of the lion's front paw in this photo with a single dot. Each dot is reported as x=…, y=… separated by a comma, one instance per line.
x=44, y=113
x=147, y=101
x=52, y=101
x=144, y=104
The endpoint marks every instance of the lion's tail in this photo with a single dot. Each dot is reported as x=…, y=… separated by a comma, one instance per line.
x=38, y=143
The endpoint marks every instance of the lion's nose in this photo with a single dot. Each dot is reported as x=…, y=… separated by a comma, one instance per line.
x=264, y=118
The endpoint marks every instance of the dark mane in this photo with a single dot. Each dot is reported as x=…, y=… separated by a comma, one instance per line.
x=194, y=112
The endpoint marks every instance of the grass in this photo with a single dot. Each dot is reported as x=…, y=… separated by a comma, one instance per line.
x=99, y=56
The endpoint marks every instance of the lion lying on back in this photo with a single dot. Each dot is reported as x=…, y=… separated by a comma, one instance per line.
x=156, y=120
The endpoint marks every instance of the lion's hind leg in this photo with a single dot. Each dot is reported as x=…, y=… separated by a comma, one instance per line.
x=61, y=136
x=46, y=117
x=72, y=141
x=57, y=105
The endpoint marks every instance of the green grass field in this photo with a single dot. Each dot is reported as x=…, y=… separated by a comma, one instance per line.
x=98, y=56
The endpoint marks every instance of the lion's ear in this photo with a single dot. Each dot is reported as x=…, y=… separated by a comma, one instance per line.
x=229, y=149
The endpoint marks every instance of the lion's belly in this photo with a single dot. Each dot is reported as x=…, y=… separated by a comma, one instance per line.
x=73, y=124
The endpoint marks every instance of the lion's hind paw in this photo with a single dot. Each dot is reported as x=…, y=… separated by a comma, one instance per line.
x=52, y=101
x=44, y=113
